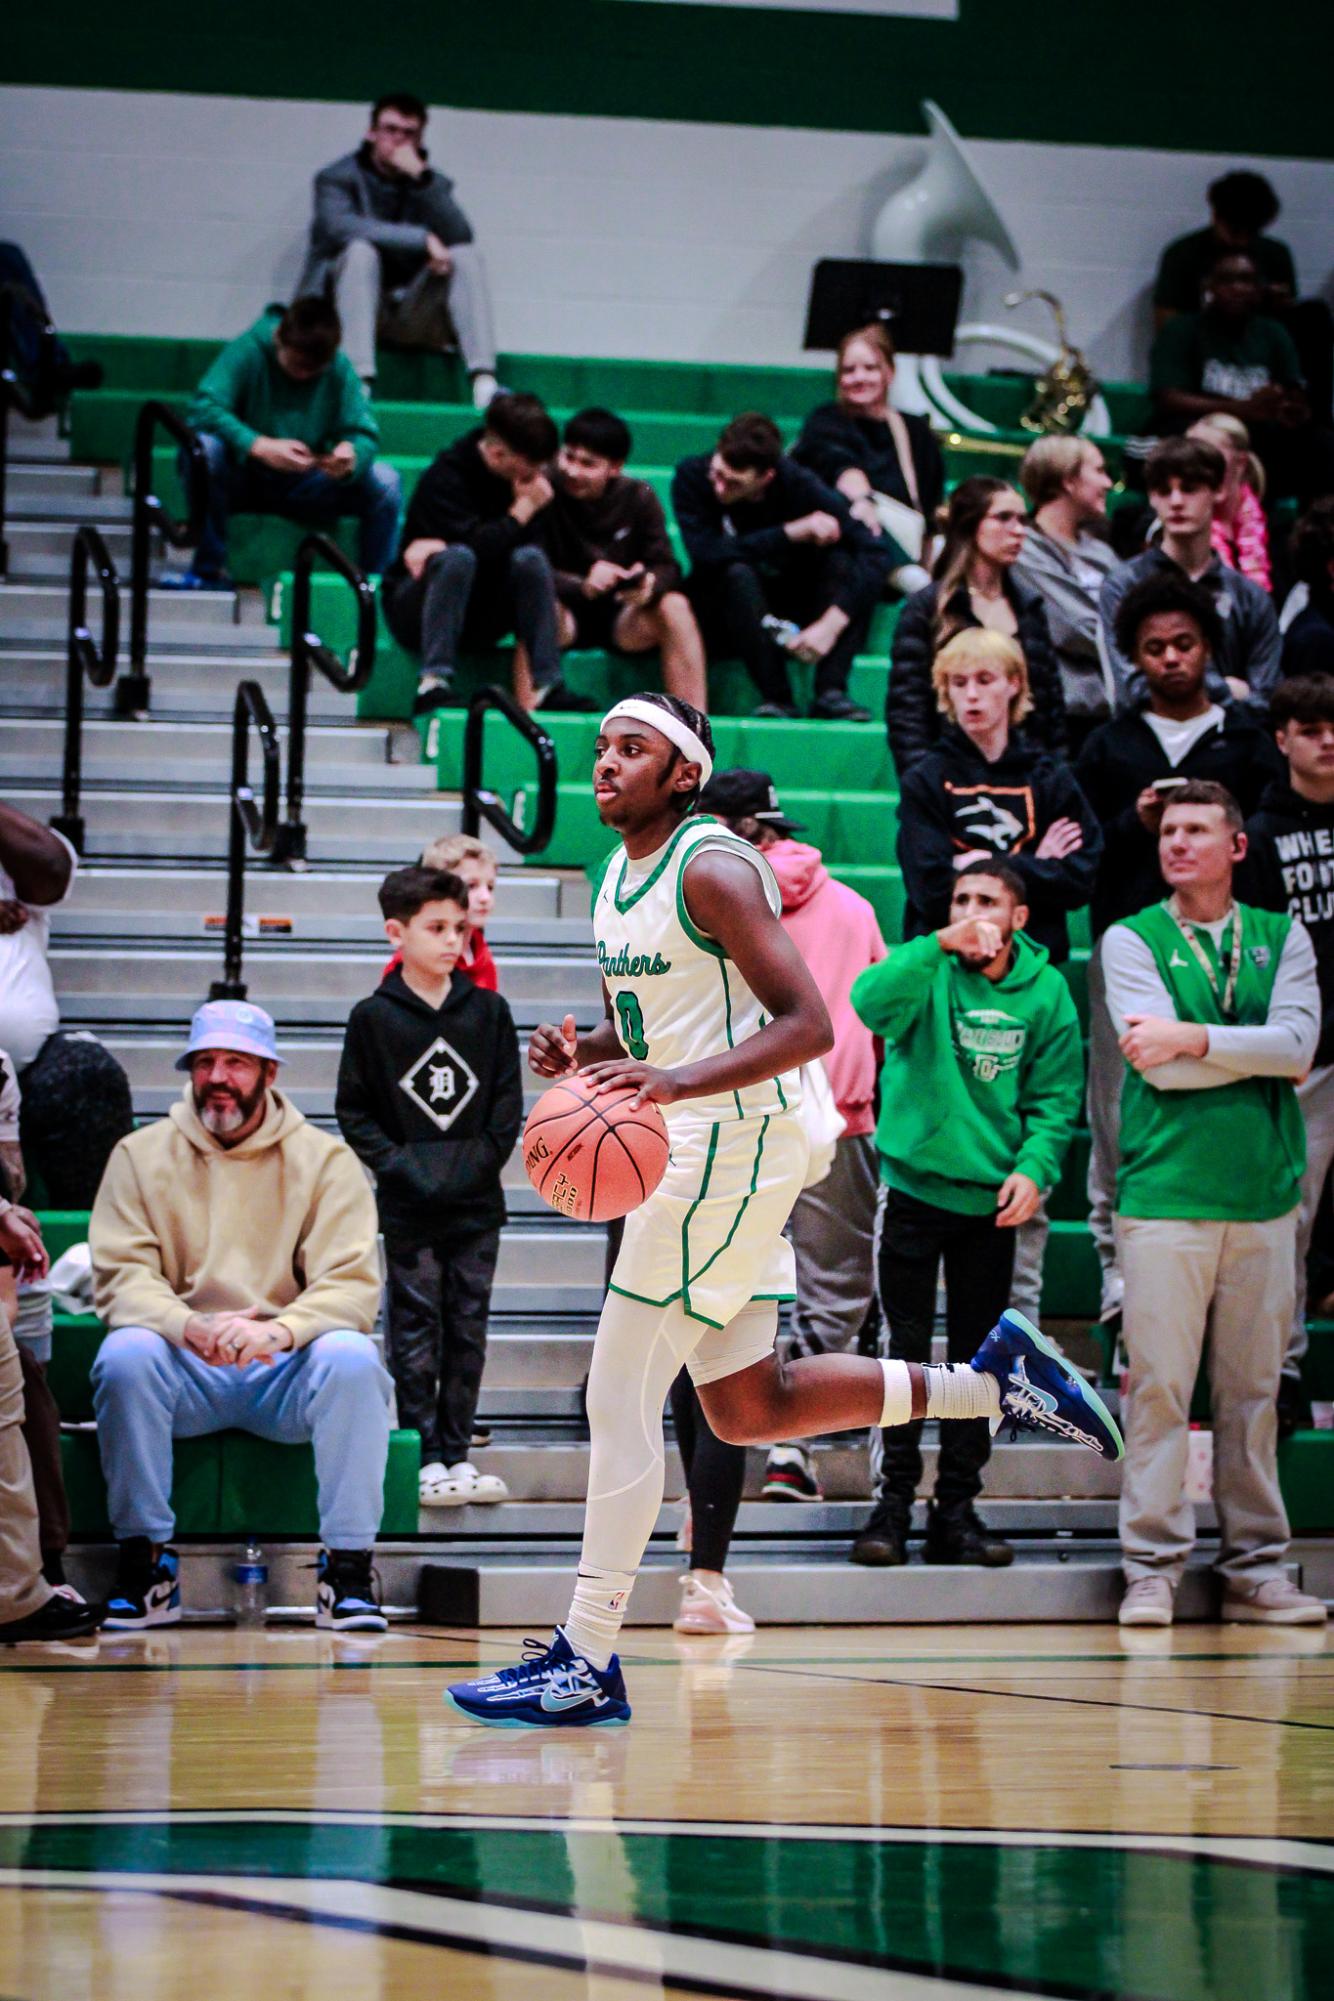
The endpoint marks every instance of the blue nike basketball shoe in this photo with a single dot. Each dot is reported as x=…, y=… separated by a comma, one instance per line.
x=549, y=1686
x=1039, y=1389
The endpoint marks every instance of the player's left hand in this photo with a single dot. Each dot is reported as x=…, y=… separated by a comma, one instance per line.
x=658, y=1087
x=1017, y=1201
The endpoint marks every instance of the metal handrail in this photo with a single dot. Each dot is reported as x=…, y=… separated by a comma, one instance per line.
x=133, y=689
x=15, y=394
x=252, y=824
x=480, y=802
x=309, y=650
x=84, y=657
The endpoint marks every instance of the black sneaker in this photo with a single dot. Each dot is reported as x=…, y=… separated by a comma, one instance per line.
x=883, y=1543
x=775, y=712
x=957, y=1535
x=60, y=1618
x=346, y=1600
x=147, y=1590
x=562, y=701
x=430, y=696
x=836, y=707
x=481, y=1435
x=1294, y=1406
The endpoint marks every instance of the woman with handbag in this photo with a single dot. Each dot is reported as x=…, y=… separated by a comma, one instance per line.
x=887, y=465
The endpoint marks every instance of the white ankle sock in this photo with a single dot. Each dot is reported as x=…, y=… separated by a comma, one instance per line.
x=596, y=1613
x=958, y=1390
x=898, y=1394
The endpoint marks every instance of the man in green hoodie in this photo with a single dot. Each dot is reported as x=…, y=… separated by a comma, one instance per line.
x=287, y=429
x=979, y=1097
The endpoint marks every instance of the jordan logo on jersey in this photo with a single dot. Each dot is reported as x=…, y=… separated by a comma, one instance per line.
x=627, y=965
x=439, y=1083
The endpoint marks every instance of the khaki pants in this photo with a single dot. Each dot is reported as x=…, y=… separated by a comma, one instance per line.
x=23, y=1589
x=1235, y=1280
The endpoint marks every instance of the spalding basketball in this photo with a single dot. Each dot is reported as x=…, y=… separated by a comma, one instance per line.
x=589, y=1155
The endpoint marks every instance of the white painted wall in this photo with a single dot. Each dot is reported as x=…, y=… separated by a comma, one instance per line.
x=179, y=214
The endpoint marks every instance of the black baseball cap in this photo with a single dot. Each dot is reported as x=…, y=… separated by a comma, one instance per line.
x=747, y=795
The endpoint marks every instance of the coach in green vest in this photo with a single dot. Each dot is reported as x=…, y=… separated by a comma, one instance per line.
x=1218, y=1011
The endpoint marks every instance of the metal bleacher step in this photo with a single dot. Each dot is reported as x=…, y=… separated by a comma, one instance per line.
x=345, y=759
x=194, y=684
x=47, y=486
x=316, y=896
x=39, y=550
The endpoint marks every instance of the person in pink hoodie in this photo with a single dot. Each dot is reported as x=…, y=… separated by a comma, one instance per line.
x=837, y=934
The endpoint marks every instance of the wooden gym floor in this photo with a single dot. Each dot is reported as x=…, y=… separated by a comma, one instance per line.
x=892, y=1814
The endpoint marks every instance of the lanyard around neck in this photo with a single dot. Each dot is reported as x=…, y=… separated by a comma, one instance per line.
x=1227, y=1001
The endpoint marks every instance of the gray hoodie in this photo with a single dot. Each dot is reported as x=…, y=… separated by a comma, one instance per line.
x=1068, y=580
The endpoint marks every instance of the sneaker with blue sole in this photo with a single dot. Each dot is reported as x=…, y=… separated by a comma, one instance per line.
x=147, y=1591
x=551, y=1687
x=1039, y=1389
x=346, y=1600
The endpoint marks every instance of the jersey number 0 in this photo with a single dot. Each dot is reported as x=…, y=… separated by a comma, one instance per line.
x=631, y=1017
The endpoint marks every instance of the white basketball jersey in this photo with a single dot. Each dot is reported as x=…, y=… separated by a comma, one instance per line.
x=676, y=996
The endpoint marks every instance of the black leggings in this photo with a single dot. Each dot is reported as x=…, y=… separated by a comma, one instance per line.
x=715, y=1476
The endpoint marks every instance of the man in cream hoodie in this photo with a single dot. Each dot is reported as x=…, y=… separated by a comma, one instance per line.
x=235, y=1269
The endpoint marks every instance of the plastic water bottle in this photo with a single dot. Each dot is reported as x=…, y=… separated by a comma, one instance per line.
x=782, y=630
x=251, y=1577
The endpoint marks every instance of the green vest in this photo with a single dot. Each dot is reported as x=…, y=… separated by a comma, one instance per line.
x=1236, y=1153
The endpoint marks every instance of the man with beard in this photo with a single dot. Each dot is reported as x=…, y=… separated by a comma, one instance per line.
x=234, y=1267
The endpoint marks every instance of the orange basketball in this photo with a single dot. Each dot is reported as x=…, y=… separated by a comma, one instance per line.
x=589, y=1155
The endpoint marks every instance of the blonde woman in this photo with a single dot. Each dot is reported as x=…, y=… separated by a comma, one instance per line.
x=985, y=791
x=887, y=465
x=1240, y=532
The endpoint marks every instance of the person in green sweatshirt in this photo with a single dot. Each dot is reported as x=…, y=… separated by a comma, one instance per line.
x=1217, y=1008
x=979, y=1095
x=287, y=429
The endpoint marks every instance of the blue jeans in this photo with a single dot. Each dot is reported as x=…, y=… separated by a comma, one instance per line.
x=332, y=1393
x=374, y=497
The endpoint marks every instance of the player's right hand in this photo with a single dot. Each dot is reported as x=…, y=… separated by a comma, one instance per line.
x=553, y=1052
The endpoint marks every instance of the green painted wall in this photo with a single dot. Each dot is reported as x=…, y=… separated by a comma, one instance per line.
x=1209, y=75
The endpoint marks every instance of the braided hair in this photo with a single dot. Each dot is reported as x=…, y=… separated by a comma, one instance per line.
x=694, y=719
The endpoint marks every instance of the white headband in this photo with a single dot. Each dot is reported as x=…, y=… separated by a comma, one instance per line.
x=667, y=725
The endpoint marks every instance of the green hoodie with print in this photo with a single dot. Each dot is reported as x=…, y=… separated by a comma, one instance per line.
x=246, y=395
x=982, y=1078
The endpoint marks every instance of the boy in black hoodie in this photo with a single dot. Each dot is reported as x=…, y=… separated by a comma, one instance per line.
x=1290, y=866
x=430, y=1098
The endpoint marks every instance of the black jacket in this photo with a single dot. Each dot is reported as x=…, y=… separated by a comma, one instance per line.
x=1308, y=643
x=1290, y=866
x=911, y=716
x=431, y=1099
x=459, y=499
x=833, y=440
x=1123, y=756
x=716, y=536
x=954, y=802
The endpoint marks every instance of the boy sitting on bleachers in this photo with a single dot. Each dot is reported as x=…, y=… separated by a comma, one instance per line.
x=618, y=584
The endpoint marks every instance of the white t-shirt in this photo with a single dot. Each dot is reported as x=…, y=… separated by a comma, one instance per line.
x=28, y=1010
x=10, y=1101
x=1177, y=737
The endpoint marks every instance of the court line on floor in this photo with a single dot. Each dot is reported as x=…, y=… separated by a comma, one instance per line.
x=1284, y=1853
x=703, y=1963
x=1027, y=1695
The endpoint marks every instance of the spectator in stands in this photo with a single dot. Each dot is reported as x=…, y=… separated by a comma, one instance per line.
x=618, y=583
x=978, y=1101
x=1185, y=477
x=1231, y=358
x=470, y=567
x=1308, y=643
x=474, y=864
x=286, y=429
x=975, y=585
x=1242, y=205
x=234, y=1265
x=431, y=1100
x=986, y=791
x=1290, y=866
x=1240, y=533
x=1217, y=1010
x=76, y=1097
x=1168, y=629
x=779, y=567
x=30, y=1608
x=885, y=462
x=31, y=1324
x=1065, y=558
x=396, y=250
x=838, y=935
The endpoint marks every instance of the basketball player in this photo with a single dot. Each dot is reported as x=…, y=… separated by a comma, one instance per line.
x=710, y=1012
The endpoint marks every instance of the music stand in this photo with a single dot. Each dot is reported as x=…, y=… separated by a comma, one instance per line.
x=919, y=303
